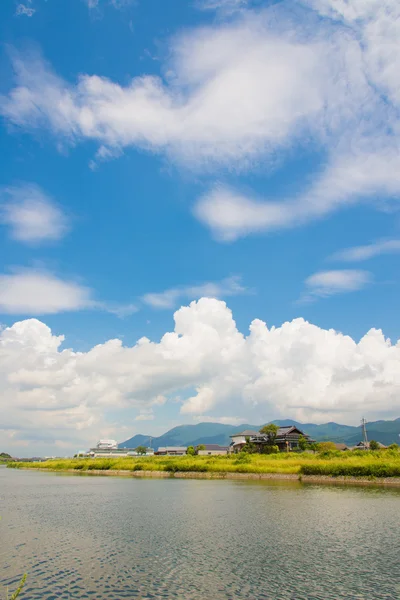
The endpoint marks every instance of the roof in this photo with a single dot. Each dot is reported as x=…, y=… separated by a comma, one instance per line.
x=246, y=432
x=341, y=446
x=172, y=449
x=214, y=447
x=363, y=445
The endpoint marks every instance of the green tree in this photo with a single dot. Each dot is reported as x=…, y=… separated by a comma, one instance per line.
x=249, y=447
x=271, y=432
x=393, y=447
x=200, y=447
x=373, y=445
x=303, y=444
x=141, y=450
x=326, y=447
x=191, y=451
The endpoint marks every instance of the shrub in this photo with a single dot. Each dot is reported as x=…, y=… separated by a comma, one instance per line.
x=270, y=449
x=137, y=468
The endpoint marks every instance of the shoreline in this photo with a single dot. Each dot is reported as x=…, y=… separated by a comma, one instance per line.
x=312, y=479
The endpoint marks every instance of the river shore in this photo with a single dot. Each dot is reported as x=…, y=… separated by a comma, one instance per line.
x=312, y=479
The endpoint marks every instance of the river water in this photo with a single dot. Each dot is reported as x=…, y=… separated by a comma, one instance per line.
x=113, y=538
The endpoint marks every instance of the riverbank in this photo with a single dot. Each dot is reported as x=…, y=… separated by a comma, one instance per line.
x=378, y=466
x=311, y=479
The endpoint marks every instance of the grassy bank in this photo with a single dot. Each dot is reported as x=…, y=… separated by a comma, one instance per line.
x=377, y=464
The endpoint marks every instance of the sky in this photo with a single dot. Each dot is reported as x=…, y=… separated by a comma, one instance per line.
x=198, y=216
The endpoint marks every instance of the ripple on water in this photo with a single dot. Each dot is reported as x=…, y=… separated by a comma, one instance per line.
x=106, y=538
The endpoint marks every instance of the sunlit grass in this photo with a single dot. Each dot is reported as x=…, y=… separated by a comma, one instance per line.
x=385, y=463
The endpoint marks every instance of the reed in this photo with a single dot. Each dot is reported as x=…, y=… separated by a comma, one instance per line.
x=385, y=463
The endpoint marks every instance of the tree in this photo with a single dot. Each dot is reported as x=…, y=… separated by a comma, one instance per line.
x=141, y=450
x=270, y=431
x=191, y=451
x=326, y=447
x=393, y=447
x=200, y=447
x=303, y=444
x=249, y=447
x=373, y=445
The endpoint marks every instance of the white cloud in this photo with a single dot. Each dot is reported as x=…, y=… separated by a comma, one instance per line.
x=238, y=95
x=225, y=6
x=360, y=253
x=145, y=416
x=25, y=9
x=35, y=292
x=38, y=292
x=31, y=215
x=329, y=283
x=231, y=286
x=231, y=94
x=297, y=370
x=222, y=420
x=349, y=178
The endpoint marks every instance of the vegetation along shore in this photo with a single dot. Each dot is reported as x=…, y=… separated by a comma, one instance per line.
x=369, y=465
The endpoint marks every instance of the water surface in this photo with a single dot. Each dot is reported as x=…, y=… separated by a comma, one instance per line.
x=114, y=538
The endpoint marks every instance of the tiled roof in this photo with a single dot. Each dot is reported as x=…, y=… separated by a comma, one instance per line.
x=214, y=447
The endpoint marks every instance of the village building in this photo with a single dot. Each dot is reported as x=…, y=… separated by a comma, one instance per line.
x=213, y=450
x=171, y=451
x=287, y=438
x=366, y=446
x=341, y=447
x=110, y=449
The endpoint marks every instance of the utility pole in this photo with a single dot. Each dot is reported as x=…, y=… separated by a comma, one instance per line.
x=364, y=431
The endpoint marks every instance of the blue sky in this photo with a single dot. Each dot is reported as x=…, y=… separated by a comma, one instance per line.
x=156, y=152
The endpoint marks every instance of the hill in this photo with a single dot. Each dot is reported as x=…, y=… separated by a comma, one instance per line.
x=386, y=432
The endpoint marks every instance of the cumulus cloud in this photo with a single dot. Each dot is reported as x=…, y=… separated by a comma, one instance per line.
x=360, y=253
x=31, y=215
x=329, y=283
x=297, y=370
x=231, y=286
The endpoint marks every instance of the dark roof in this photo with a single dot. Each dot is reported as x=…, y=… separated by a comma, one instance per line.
x=214, y=447
x=246, y=432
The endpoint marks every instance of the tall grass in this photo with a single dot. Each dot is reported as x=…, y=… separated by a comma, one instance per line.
x=385, y=463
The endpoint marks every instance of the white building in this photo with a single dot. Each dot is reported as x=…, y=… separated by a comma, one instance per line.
x=107, y=445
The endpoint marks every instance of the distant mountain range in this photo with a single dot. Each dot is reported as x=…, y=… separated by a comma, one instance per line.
x=386, y=432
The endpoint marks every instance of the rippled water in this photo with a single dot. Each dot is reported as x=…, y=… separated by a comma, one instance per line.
x=108, y=538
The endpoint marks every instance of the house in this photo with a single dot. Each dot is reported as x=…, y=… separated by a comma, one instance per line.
x=287, y=438
x=341, y=447
x=365, y=446
x=213, y=450
x=171, y=451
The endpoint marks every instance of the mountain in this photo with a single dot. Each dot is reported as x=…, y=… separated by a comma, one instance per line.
x=386, y=432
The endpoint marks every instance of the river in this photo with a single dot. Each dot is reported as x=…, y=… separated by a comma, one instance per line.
x=112, y=538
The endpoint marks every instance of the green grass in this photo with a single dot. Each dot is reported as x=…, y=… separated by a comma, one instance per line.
x=383, y=463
